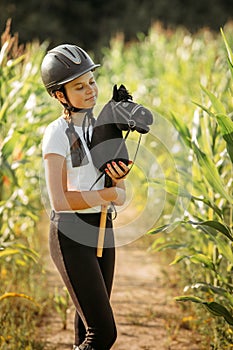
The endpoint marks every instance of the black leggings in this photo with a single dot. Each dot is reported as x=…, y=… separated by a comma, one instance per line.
x=87, y=278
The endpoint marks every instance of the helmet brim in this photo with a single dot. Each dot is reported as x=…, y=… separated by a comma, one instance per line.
x=76, y=75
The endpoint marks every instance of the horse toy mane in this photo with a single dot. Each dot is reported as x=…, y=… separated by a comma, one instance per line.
x=121, y=94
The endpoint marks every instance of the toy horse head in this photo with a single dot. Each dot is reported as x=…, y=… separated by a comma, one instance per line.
x=127, y=114
x=119, y=114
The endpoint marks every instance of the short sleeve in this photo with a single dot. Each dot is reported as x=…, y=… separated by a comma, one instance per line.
x=55, y=140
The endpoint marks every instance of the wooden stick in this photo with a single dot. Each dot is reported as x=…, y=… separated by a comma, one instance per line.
x=103, y=218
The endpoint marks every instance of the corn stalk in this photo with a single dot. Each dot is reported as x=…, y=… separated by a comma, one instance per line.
x=204, y=238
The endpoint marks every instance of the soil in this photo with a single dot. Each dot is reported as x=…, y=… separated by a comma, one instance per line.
x=146, y=314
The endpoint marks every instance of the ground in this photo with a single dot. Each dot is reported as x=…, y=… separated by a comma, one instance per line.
x=147, y=316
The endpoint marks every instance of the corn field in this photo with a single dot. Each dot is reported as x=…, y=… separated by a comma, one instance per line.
x=23, y=109
x=186, y=80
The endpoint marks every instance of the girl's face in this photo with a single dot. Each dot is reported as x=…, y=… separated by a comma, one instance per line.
x=82, y=92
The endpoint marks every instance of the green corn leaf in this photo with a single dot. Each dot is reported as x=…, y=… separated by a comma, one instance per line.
x=178, y=259
x=202, y=259
x=230, y=150
x=216, y=103
x=171, y=187
x=157, y=242
x=214, y=308
x=226, y=125
x=196, y=259
x=209, y=231
x=225, y=248
x=189, y=298
x=171, y=245
x=223, y=228
x=213, y=206
x=174, y=188
x=205, y=109
x=229, y=52
x=29, y=212
x=226, y=128
x=219, y=310
x=211, y=228
x=210, y=172
x=10, y=145
x=3, y=110
x=7, y=170
x=158, y=229
x=182, y=128
x=163, y=228
x=7, y=252
x=18, y=295
x=206, y=287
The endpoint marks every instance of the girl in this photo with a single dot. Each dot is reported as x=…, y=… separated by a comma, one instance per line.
x=67, y=73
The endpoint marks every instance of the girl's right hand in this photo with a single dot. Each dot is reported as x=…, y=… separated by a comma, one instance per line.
x=117, y=172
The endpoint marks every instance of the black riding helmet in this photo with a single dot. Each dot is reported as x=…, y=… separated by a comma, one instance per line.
x=63, y=64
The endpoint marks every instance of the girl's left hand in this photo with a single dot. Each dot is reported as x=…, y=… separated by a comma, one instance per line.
x=117, y=172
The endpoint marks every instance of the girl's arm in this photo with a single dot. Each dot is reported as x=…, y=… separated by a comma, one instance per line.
x=64, y=200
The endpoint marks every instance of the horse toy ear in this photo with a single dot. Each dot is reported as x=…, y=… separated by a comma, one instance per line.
x=121, y=94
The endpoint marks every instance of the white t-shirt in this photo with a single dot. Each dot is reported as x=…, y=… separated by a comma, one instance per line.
x=80, y=178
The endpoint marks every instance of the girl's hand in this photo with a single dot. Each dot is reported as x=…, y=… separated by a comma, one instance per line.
x=117, y=172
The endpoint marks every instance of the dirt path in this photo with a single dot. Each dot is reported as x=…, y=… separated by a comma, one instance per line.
x=146, y=314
